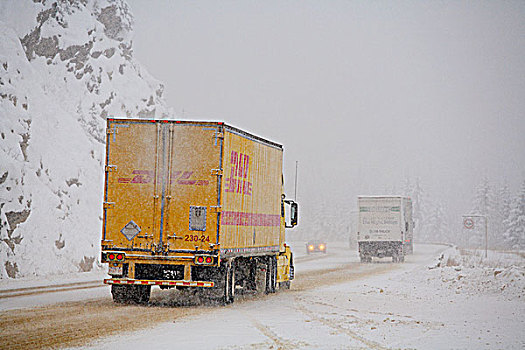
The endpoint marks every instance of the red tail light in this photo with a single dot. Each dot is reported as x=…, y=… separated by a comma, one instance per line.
x=120, y=256
x=204, y=259
x=111, y=256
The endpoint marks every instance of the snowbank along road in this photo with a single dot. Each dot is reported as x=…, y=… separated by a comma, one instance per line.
x=335, y=302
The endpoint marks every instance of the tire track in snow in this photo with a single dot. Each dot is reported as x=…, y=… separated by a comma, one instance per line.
x=370, y=344
x=392, y=318
x=281, y=343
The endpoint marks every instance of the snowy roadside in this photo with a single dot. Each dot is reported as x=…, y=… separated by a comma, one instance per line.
x=28, y=292
x=462, y=301
x=52, y=280
x=469, y=272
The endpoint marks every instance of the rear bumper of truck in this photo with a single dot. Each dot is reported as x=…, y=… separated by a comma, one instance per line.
x=380, y=248
x=182, y=283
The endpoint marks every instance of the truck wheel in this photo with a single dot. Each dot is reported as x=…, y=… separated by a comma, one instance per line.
x=268, y=278
x=284, y=285
x=231, y=284
x=119, y=293
x=292, y=268
x=271, y=275
x=366, y=259
x=130, y=294
x=228, y=286
x=142, y=294
x=274, y=281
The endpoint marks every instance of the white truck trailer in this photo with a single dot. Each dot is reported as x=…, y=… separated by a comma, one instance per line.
x=385, y=227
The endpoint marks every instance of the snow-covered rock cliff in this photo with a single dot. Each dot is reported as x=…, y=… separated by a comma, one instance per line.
x=65, y=65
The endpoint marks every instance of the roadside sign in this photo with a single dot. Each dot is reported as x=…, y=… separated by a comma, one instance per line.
x=468, y=223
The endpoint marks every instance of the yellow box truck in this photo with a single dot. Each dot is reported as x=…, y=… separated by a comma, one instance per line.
x=193, y=205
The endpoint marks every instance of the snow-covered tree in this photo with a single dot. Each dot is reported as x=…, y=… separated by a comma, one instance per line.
x=484, y=199
x=484, y=205
x=417, y=207
x=503, y=205
x=436, y=227
x=515, y=234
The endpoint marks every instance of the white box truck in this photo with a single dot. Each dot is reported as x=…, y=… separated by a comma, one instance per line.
x=385, y=227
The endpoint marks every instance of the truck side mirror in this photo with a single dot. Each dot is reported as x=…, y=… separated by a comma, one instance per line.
x=294, y=214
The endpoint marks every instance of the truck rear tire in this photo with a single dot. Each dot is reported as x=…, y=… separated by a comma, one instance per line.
x=225, y=292
x=271, y=275
x=230, y=285
x=398, y=258
x=366, y=258
x=142, y=294
x=124, y=294
x=284, y=285
x=119, y=293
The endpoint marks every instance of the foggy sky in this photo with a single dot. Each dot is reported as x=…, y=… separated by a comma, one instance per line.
x=363, y=94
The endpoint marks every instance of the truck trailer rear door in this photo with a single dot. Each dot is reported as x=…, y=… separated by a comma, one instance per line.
x=133, y=186
x=161, y=194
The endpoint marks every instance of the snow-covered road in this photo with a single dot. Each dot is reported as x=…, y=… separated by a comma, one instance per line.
x=373, y=306
x=334, y=303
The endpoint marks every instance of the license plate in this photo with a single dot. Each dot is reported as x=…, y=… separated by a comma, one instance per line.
x=115, y=270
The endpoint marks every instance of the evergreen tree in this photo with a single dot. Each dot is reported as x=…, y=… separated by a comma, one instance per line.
x=503, y=205
x=483, y=200
x=407, y=188
x=436, y=228
x=417, y=207
x=484, y=205
x=515, y=234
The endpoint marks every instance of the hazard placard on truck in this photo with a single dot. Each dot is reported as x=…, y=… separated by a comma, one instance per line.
x=193, y=204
